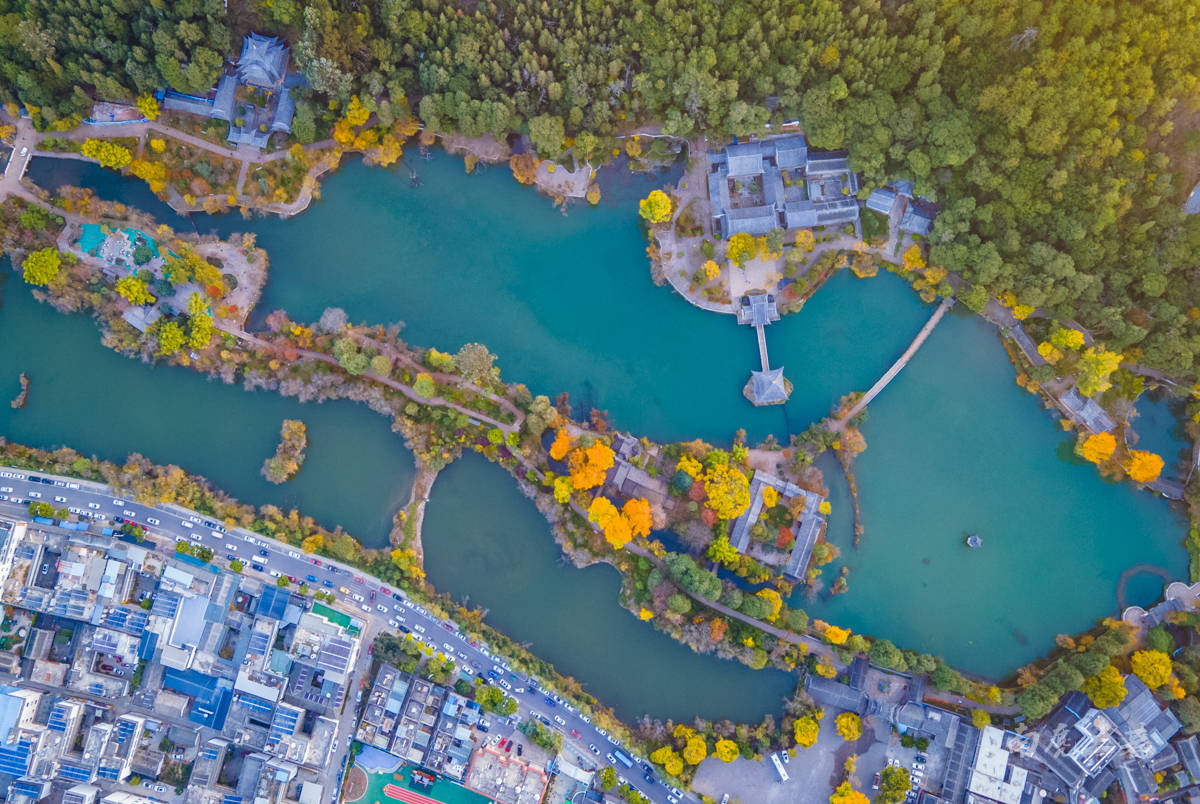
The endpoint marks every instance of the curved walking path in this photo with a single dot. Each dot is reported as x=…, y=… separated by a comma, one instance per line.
x=901, y=362
x=436, y=401
x=28, y=137
x=439, y=376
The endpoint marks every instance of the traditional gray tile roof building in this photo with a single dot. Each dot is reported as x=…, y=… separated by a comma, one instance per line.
x=1081, y=744
x=140, y=318
x=1192, y=205
x=819, y=190
x=745, y=159
x=263, y=61
x=790, y=153
x=1136, y=779
x=768, y=387
x=811, y=519
x=882, y=201
x=757, y=310
x=1087, y=411
x=916, y=220
x=1164, y=759
x=1189, y=753
x=262, y=64
x=223, y=104
x=834, y=694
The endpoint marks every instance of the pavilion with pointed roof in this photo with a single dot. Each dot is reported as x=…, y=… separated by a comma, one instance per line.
x=263, y=62
x=262, y=66
x=767, y=387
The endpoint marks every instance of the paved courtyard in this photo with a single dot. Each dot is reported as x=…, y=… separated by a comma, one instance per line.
x=813, y=772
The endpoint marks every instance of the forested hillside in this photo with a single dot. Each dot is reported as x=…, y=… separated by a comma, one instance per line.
x=1045, y=130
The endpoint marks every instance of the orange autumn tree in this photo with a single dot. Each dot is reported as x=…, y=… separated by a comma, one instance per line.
x=620, y=526
x=1097, y=448
x=1143, y=466
x=614, y=526
x=588, y=466
x=637, y=511
x=562, y=443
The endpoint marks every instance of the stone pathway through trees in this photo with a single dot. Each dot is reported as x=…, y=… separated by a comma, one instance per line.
x=435, y=401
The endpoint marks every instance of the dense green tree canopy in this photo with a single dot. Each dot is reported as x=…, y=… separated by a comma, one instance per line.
x=53, y=53
x=1045, y=131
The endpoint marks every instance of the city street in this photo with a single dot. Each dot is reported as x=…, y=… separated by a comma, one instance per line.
x=381, y=605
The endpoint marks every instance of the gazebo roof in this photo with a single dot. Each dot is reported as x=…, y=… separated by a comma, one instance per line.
x=263, y=62
x=767, y=387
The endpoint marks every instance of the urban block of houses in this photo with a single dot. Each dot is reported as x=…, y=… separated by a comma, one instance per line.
x=233, y=676
x=419, y=722
x=262, y=68
x=1077, y=754
x=1090, y=748
x=507, y=779
x=778, y=183
x=807, y=528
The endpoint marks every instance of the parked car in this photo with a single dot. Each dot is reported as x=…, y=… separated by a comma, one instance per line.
x=153, y=521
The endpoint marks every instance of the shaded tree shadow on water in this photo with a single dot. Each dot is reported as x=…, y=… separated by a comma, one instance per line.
x=620, y=186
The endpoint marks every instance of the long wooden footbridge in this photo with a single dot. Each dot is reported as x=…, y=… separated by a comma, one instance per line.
x=901, y=362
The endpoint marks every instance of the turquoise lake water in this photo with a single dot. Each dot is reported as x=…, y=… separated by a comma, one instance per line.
x=1159, y=426
x=566, y=303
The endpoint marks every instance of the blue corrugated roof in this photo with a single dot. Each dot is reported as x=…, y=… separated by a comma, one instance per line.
x=255, y=703
x=284, y=724
x=210, y=700
x=14, y=760
x=148, y=645
x=273, y=601
x=57, y=720
x=76, y=773
x=27, y=787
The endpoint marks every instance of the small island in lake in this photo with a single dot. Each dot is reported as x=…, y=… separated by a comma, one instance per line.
x=22, y=397
x=289, y=455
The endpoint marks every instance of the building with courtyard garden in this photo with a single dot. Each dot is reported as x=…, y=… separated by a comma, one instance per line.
x=778, y=183
x=781, y=526
x=254, y=98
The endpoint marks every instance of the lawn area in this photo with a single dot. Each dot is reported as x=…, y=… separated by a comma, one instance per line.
x=442, y=790
x=875, y=226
